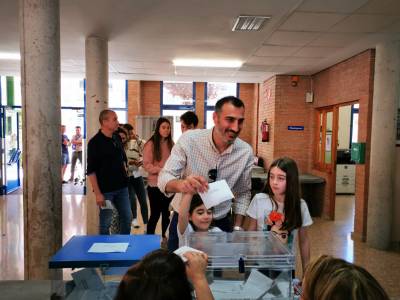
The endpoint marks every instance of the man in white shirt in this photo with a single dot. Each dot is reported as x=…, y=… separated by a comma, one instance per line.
x=215, y=154
x=77, y=151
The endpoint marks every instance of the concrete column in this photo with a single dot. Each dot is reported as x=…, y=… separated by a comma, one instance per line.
x=41, y=110
x=383, y=133
x=96, y=52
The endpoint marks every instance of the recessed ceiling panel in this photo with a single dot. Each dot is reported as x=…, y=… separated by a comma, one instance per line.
x=335, y=6
x=302, y=21
x=298, y=61
x=337, y=39
x=265, y=60
x=275, y=51
x=384, y=7
x=364, y=23
x=315, y=52
x=291, y=38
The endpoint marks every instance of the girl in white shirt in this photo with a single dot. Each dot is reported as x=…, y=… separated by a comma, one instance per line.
x=281, y=210
x=193, y=216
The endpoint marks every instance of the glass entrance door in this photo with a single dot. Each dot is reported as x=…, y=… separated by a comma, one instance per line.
x=11, y=118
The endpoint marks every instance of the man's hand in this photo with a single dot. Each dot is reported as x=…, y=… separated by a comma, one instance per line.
x=196, y=266
x=100, y=201
x=193, y=184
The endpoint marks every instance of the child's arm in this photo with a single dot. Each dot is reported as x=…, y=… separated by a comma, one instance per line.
x=183, y=212
x=304, y=245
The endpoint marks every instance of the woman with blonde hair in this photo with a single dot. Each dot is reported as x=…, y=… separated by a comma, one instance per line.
x=329, y=278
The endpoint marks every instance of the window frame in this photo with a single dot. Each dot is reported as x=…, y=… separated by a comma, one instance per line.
x=207, y=107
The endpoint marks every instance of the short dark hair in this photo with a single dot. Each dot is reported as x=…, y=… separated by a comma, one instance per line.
x=104, y=115
x=190, y=118
x=78, y=127
x=235, y=101
x=127, y=126
x=160, y=275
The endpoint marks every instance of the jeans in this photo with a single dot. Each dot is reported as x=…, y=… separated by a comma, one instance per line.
x=137, y=190
x=120, y=200
x=173, y=238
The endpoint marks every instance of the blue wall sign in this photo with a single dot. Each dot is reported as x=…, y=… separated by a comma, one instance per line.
x=296, y=128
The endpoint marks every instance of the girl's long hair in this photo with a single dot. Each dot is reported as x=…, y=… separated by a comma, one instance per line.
x=292, y=209
x=156, y=138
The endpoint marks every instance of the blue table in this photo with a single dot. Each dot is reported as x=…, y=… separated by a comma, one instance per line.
x=74, y=254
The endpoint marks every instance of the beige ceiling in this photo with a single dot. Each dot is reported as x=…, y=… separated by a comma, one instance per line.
x=302, y=36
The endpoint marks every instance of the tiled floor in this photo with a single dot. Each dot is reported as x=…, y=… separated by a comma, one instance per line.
x=327, y=237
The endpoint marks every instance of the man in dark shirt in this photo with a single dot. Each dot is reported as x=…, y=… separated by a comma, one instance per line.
x=106, y=169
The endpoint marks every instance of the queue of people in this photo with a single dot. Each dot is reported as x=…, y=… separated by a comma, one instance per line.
x=177, y=173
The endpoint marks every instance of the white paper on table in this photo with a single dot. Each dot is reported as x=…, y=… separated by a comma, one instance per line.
x=180, y=251
x=257, y=284
x=108, y=247
x=217, y=193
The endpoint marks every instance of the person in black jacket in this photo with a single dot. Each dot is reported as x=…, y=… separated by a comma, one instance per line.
x=107, y=172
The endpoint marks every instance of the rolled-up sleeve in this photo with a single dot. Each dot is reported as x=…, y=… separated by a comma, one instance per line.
x=173, y=167
x=242, y=189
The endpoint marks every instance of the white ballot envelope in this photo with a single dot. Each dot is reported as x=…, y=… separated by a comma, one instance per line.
x=217, y=193
x=183, y=250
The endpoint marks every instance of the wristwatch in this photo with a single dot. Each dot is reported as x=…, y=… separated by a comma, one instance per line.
x=237, y=228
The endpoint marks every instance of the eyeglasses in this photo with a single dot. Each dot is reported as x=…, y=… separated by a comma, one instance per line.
x=212, y=175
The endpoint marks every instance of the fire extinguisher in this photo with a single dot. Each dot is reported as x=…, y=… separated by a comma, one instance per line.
x=264, y=131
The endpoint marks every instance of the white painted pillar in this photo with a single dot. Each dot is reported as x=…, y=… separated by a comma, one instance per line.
x=41, y=110
x=383, y=139
x=96, y=52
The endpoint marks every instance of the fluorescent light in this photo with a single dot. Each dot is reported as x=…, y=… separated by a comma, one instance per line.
x=9, y=55
x=210, y=63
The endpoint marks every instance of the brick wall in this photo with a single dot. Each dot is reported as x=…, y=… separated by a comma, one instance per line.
x=291, y=109
x=266, y=110
x=351, y=80
x=143, y=99
x=248, y=95
x=200, y=86
x=134, y=102
x=283, y=105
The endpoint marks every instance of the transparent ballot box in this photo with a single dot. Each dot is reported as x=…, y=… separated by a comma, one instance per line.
x=246, y=264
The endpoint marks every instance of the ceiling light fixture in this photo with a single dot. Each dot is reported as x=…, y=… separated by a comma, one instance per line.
x=207, y=63
x=10, y=56
x=249, y=23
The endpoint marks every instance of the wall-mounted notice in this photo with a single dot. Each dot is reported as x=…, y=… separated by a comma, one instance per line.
x=296, y=128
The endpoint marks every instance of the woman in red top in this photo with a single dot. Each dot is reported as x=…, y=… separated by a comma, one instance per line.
x=155, y=154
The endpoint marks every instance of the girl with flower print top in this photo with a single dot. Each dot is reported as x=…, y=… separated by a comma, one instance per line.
x=281, y=210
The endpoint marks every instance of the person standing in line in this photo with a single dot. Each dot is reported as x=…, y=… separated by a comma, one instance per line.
x=134, y=152
x=156, y=152
x=64, y=152
x=214, y=154
x=77, y=151
x=106, y=169
x=189, y=120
